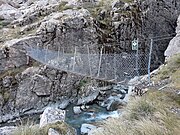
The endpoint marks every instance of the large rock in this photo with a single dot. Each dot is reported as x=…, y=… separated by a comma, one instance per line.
x=96, y=131
x=88, y=99
x=51, y=115
x=86, y=128
x=51, y=131
x=112, y=103
x=174, y=45
x=8, y=12
x=64, y=104
x=77, y=109
x=60, y=128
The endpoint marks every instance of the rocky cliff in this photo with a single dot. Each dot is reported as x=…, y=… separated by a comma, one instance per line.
x=174, y=45
x=27, y=85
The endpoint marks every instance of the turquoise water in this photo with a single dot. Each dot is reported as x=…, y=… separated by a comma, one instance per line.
x=95, y=114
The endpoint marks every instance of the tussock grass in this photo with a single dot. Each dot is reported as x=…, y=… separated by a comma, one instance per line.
x=31, y=129
x=28, y=129
x=140, y=108
x=171, y=70
x=147, y=115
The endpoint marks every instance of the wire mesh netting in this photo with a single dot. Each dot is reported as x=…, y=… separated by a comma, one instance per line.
x=109, y=67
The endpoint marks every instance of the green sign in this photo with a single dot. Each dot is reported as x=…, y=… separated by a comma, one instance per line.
x=135, y=44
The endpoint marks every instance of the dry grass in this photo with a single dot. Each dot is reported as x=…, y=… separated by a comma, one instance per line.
x=31, y=129
x=171, y=70
x=148, y=115
x=28, y=129
x=140, y=108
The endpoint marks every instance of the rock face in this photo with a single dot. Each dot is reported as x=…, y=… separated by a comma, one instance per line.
x=52, y=115
x=25, y=85
x=9, y=12
x=34, y=89
x=174, y=45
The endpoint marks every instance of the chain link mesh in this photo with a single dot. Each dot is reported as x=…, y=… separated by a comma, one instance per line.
x=109, y=67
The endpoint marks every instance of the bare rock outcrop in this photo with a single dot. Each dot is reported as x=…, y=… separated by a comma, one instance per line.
x=174, y=45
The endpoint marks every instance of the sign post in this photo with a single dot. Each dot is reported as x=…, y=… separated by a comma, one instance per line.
x=135, y=48
x=135, y=45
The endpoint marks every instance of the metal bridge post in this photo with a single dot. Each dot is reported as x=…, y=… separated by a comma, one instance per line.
x=149, y=62
x=100, y=59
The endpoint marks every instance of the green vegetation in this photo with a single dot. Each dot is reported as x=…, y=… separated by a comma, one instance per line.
x=31, y=129
x=148, y=115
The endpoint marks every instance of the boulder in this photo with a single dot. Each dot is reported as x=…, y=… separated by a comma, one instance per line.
x=64, y=104
x=52, y=115
x=112, y=103
x=96, y=131
x=77, y=109
x=88, y=99
x=51, y=131
x=86, y=128
x=60, y=128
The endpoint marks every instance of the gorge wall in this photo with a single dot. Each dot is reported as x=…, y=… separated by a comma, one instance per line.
x=27, y=85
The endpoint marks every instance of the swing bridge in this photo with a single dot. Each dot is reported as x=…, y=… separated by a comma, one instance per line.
x=111, y=67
